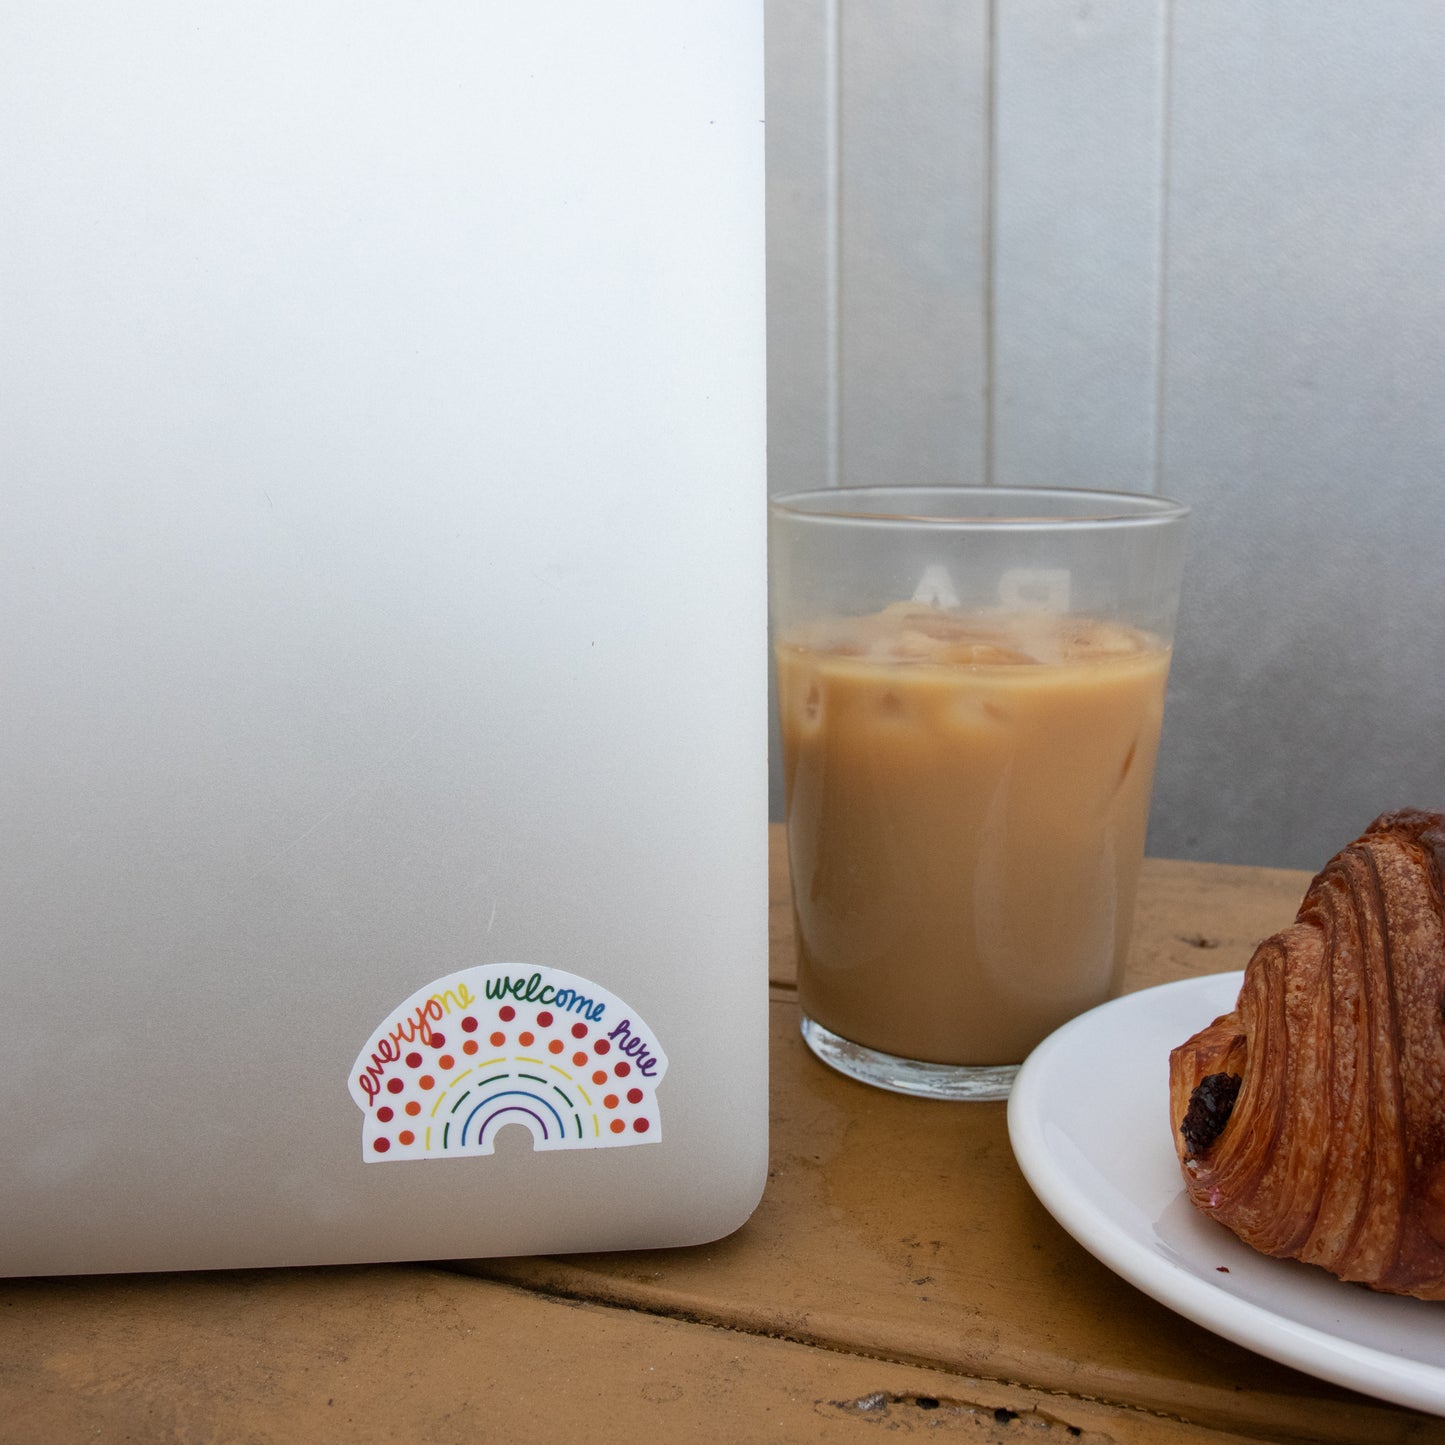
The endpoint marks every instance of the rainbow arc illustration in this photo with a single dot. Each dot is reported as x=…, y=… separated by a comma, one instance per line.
x=503, y=1044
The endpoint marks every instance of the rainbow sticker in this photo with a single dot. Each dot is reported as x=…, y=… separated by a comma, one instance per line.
x=507, y=1043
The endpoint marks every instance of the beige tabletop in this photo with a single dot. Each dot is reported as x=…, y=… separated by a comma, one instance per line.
x=898, y=1279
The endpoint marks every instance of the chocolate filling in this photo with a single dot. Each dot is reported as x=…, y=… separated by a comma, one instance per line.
x=1210, y=1106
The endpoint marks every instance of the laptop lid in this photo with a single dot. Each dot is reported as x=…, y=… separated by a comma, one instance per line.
x=382, y=788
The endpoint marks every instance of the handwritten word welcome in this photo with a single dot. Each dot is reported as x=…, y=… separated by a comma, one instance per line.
x=533, y=990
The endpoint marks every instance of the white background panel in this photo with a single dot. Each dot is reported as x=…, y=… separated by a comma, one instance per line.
x=912, y=249
x=1304, y=364
x=802, y=239
x=1077, y=204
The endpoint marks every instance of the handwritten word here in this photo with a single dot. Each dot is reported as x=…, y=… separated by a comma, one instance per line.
x=631, y=1045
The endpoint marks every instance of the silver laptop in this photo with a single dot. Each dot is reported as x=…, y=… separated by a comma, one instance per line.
x=382, y=785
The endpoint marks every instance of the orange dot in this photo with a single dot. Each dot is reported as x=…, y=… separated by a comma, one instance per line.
x=413, y=1108
x=446, y=1062
x=580, y=1060
x=498, y=1039
x=617, y=1126
x=525, y=1039
x=470, y=1047
x=426, y=1082
x=600, y=1077
x=406, y=1137
x=609, y=1101
x=555, y=1046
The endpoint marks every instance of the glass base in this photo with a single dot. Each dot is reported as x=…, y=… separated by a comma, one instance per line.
x=908, y=1076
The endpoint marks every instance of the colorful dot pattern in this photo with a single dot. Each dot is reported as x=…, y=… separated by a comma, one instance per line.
x=549, y=1051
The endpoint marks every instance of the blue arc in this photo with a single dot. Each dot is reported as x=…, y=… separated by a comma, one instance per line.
x=519, y=1094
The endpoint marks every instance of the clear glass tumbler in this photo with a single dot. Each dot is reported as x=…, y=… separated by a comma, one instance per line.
x=970, y=688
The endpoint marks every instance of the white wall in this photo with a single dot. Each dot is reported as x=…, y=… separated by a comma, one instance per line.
x=1187, y=246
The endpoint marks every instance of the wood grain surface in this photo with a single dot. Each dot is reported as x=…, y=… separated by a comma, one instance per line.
x=898, y=1277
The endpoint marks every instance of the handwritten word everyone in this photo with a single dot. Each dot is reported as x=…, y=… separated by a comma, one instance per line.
x=409, y=1030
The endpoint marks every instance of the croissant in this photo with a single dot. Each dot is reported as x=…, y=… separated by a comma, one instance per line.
x=1311, y=1120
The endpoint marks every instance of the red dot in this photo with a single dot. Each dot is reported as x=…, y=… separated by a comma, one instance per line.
x=413, y=1061
x=581, y=1061
x=382, y=1145
x=395, y=1085
x=384, y=1113
x=609, y=1101
x=634, y=1096
x=469, y=1025
x=438, y=1040
x=405, y=1137
x=506, y=1013
x=426, y=1082
x=640, y=1125
x=498, y=1039
x=446, y=1062
x=600, y=1077
x=623, y=1069
x=579, y=1031
x=617, y=1126
x=601, y=1046
x=525, y=1039
x=555, y=1047
x=414, y=1108
x=544, y=1020
x=470, y=1047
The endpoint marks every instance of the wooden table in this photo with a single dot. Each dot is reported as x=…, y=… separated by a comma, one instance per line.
x=898, y=1277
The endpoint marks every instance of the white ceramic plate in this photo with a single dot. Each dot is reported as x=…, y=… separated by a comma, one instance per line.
x=1089, y=1123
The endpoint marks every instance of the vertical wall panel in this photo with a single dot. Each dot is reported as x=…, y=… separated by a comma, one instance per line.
x=1078, y=199
x=1215, y=266
x=802, y=241
x=1303, y=419
x=912, y=257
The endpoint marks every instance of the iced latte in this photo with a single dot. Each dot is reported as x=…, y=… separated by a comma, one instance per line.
x=967, y=797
